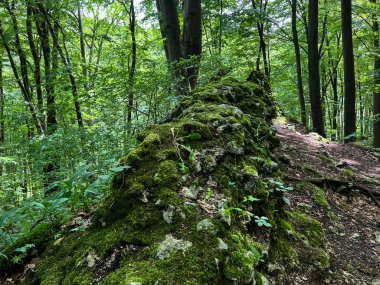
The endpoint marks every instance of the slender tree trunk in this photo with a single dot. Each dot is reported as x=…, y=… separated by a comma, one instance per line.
x=82, y=46
x=132, y=69
x=66, y=62
x=301, y=95
x=349, y=73
x=21, y=81
x=43, y=33
x=361, y=110
x=260, y=29
x=36, y=59
x=162, y=28
x=334, y=86
x=2, y=117
x=192, y=38
x=376, y=79
x=334, y=82
x=314, y=76
x=2, y=103
x=221, y=26
x=172, y=31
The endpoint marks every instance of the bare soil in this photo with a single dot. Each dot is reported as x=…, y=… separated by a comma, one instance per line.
x=351, y=220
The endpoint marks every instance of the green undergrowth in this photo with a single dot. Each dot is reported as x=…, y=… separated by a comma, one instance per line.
x=176, y=215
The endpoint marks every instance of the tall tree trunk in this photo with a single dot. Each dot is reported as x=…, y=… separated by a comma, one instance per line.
x=172, y=31
x=376, y=79
x=260, y=29
x=132, y=69
x=192, y=38
x=349, y=73
x=314, y=76
x=66, y=62
x=36, y=60
x=301, y=95
x=50, y=72
x=2, y=103
x=24, y=80
x=334, y=63
x=162, y=29
x=2, y=117
x=221, y=26
x=82, y=46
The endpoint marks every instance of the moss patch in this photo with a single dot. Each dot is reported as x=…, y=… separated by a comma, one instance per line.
x=147, y=230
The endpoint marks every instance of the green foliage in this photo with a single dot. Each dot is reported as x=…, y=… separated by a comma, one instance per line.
x=279, y=186
x=262, y=221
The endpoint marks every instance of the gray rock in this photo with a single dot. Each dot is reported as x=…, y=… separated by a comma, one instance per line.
x=206, y=226
x=222, y=245
x=168, y=214
x=170, y=245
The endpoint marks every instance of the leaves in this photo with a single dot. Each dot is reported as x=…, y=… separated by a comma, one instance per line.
x=250, y=199
x=262, y=221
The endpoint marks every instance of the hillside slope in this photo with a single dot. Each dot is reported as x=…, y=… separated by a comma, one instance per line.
x=204, y=199
x=348, y=213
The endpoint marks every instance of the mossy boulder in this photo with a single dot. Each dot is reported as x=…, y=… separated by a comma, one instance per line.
x=176, y=215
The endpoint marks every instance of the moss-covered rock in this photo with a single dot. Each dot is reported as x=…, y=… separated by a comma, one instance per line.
x=175, y=215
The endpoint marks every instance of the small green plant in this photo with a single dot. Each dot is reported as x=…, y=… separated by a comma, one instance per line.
x=229, y=210
x=250, y=199
x=280, y=186
x=183, y=168
x=209, y=194
x=262, y=221
x=21, y=252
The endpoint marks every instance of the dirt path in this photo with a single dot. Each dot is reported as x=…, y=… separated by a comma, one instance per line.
x=350, y=219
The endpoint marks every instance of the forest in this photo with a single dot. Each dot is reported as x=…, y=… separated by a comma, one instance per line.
x=189, y=142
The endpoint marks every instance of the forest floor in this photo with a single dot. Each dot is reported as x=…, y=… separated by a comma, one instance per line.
x=324, y=175
x=351, y=219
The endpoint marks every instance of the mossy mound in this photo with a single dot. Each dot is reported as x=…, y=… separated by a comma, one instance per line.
x=176, y=215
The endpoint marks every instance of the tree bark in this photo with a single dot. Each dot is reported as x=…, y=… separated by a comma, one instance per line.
x=162, y=29
x=24, y=80
x=314, y=76
x=2, y=103
x=260, y=29
x=297, y=51
x=376, y=79
x=50, y=72
x=66, y=62
x=82, y=46
x=349, y=73
x=192, y=38
x=36, y=59
x=191, y=45
x=132, y=69
x=221, y=26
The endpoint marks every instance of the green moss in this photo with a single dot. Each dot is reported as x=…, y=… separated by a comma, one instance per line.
x=151, y=139
x=192, y=137
x=169, y=153
x=349, y=172
x=310, y=228
x=299, y=243
x=241, y=261
x=167, y=174
x=260, y=279
x=39, y=236
x=326, y=158
x=320, y=198
x=227, y=123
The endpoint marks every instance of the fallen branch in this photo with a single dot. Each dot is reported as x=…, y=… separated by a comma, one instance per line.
x=347, y=184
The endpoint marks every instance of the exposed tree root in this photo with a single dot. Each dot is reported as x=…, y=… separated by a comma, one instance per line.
x=348, y=185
